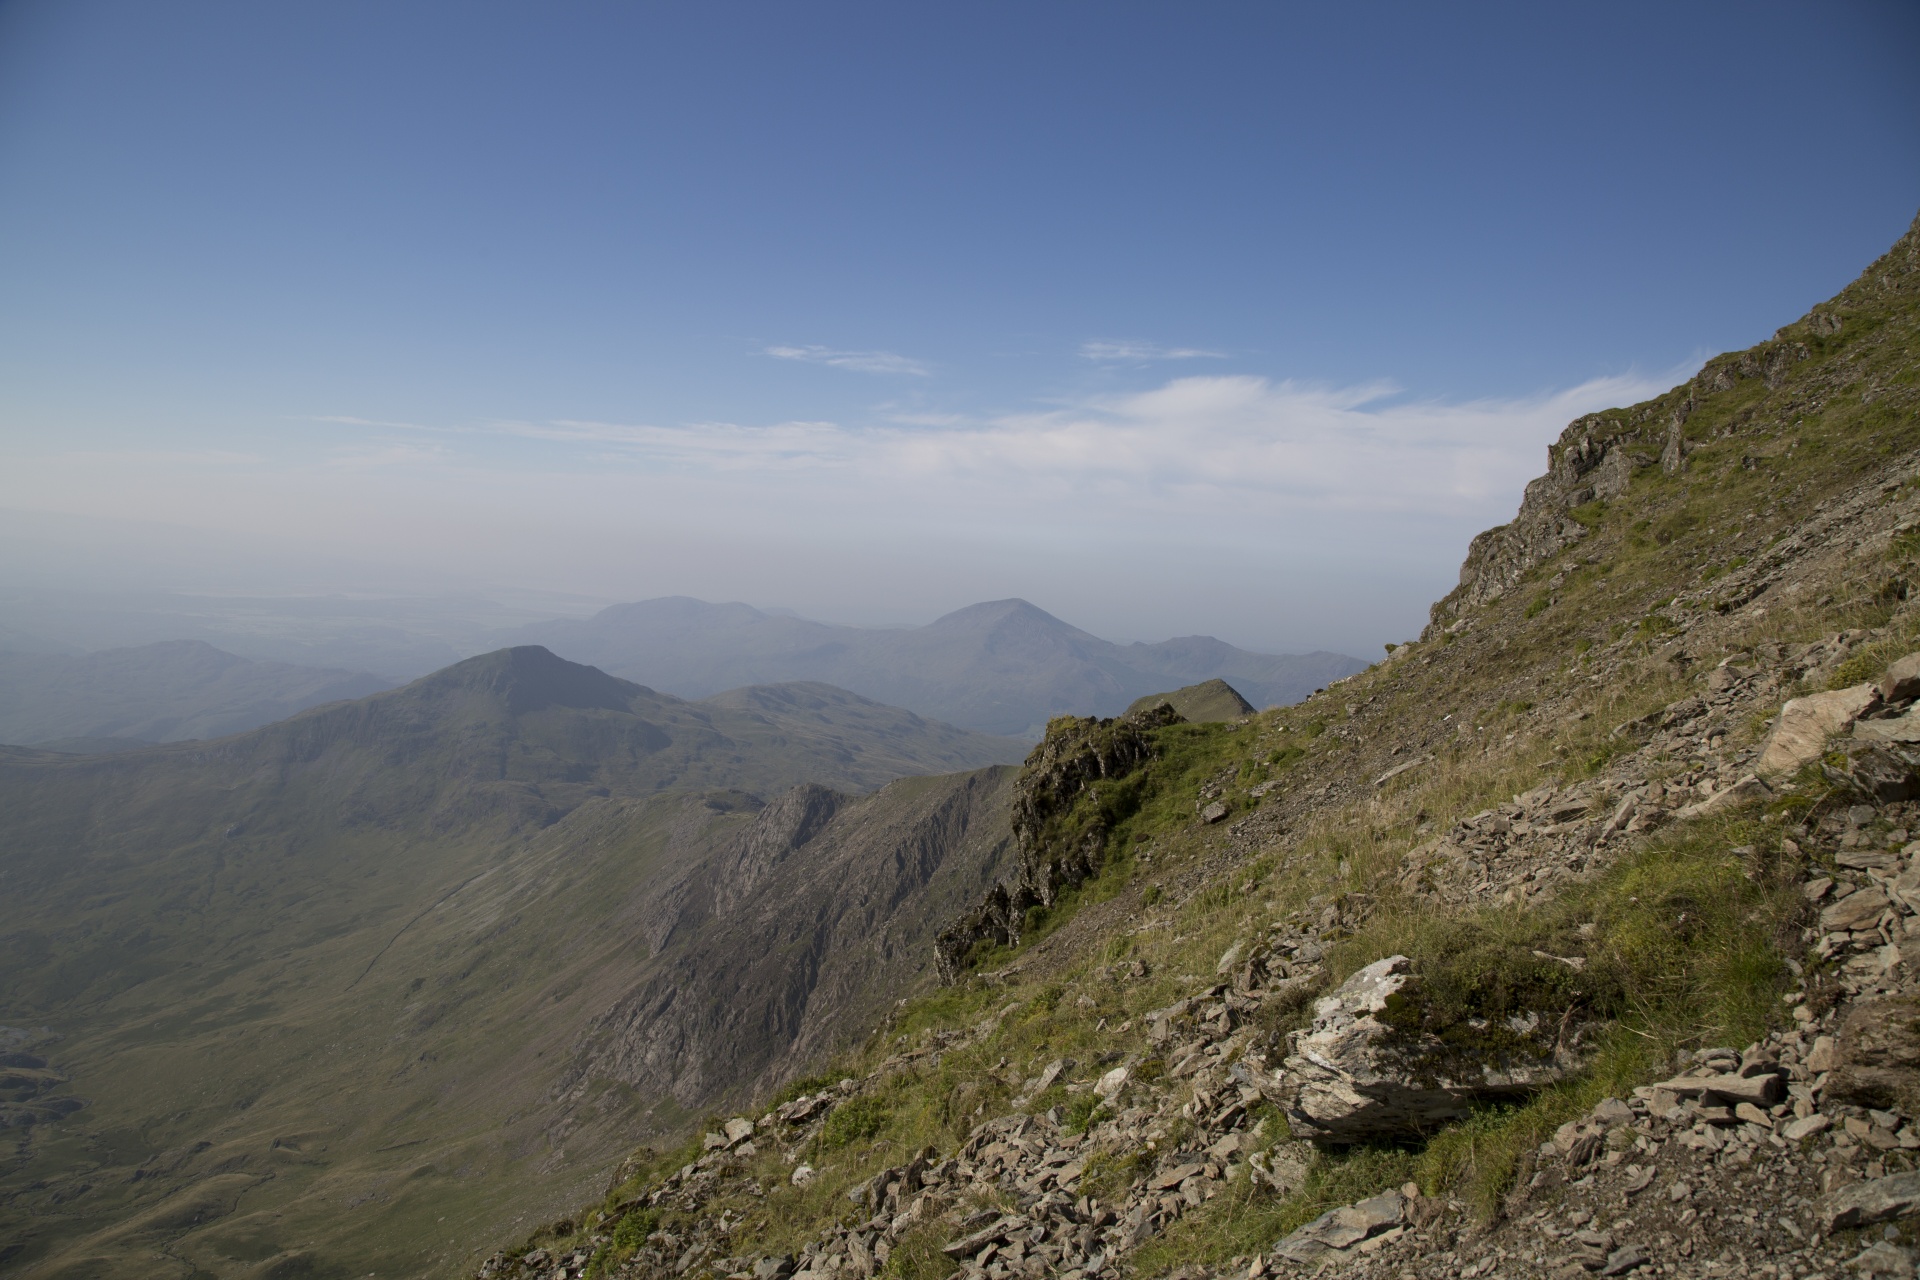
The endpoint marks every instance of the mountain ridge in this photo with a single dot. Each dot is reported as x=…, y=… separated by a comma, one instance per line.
x=999, y=666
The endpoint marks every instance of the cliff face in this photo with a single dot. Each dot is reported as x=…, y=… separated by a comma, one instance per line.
x=1060, y=824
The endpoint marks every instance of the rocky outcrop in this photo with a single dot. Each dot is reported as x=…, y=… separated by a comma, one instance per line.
x=1061, y=839
x=1593, y=459
x=1353, y=1076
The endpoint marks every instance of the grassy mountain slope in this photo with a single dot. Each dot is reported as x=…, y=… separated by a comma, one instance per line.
x=323, y=985
x=158, y=693
x=998, y=667
x=1542, y=803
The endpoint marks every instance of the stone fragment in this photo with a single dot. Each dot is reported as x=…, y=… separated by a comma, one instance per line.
x=1214, y=812
x=1883, y=771
x=1727, y=1089
x=1902, y=679
x=1175, y=1176
x=1877, y=1200
x=1857, y=910
x=802, y=1175
x=1354, y=1079
x=1624, y=1259
x=739, y=1130
x=1749, y=789
x=1800, y=735
x=1612, y=1111
x=1884, y=1259
x=1899, y=729
x=1343, y=1228
x=1823, y=1055
x=968, y=1245
x=1110, y=1084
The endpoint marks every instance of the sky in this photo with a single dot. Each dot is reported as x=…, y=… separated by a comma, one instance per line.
x=1222, y=318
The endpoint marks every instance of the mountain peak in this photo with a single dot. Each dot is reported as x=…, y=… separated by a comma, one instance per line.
x=532, y=677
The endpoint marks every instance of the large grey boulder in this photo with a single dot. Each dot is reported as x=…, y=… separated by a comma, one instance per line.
x=1353, y=1077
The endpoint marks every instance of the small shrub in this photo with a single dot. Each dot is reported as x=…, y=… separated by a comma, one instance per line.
x=858, y=1119
x=1084, y=1111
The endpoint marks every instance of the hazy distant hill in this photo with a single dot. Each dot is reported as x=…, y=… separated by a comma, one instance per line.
x=999, y=667
x=157, y=693
x=332, y=989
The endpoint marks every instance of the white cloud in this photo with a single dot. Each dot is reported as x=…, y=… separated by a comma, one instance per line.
x=1138, y=352
x=859, y=361
x=1268, y=512
x=1177, y=450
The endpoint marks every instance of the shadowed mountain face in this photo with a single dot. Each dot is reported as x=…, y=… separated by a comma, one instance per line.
x=164, y=692
x=999, y=667
x=331, y=989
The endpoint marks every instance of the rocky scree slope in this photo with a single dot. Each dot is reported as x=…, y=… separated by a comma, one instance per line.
x=1572, y=939
x=320, y=997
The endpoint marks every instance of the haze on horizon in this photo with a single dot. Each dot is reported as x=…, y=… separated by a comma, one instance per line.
x=1236, y=320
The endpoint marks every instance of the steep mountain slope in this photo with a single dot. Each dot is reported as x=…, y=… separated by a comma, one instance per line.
x=163, y=692
x=999, y=667
x=334, y=980
x=1573, y=938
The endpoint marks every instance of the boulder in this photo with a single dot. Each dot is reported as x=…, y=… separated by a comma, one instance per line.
x=1876, y=1056
x=1352, y=1077
x=1902, y=729
x=1800, y=735
x=1882, y=770
x=1863, y=1203
x=1902, y=680
x=1343, y=1228
x=1858, y=910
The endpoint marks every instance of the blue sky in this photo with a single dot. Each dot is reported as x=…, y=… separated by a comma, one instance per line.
x=1227, y=318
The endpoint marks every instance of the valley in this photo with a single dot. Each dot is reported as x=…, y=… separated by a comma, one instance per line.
x=325, y=983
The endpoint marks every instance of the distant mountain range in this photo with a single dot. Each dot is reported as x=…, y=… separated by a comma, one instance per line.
x=165, y=692
x=1001, y=667
x=401, y=952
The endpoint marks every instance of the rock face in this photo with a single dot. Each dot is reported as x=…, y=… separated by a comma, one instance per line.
x=1583, y=465
x=1057, y=847
x=1800, y=735
x=1352, y=1077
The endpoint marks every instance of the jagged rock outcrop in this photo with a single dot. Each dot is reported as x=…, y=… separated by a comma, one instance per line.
x=1056, y=851
x=1593, y=459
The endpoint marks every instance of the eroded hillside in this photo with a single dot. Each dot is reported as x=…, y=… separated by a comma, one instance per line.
x=1570, y=939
